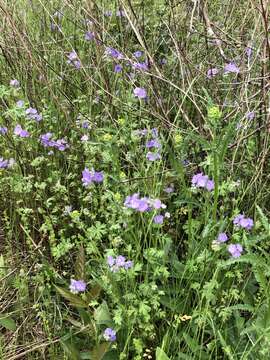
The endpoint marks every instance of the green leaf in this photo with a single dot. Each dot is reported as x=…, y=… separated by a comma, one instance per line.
x=102, y=315
x=161, y=355
x=71, y=350
x=7, y=322
x=74, y=300
x=99, y=352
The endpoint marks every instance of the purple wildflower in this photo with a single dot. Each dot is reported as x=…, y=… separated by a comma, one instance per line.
x=45, y=139
x=118, y=263
x=248, y=51
x=158, y=219
x=118, y=68
x=113, y=53
x=33, y=114
x=140, y=93
x=222, y=237
x=21, y=132
x=89, y=35
x=140, y=66
x=212, y=73
x=20, y=103
x=231, y=68
x=8, y=163
x=73, y=60
x=243, y=222
x=109, y=335
x=202, y=181
x=154, y=143
x=153, y=156
x=15, y=83
x=88, y=177
x=157, y=204
x=3, y=130
x=250, y=115
x=85, y=138
x=235, y=250
x=138, y=54
x=169, y=189
x=77, y=286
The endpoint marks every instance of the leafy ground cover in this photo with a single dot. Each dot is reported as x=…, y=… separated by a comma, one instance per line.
x=134, y=180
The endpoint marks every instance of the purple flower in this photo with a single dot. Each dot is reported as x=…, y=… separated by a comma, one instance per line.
x=4, y=164
x=243, y=222
x=153, y=156
x=113, y=53
x=169, y=189
x=33, y=114
x=20, y=103
x=118, y=68
x=128, y=265
x=222, y=237
x=110, y=260
x=140, y=66
x=202, y=181
x=212, y=73
x=77, y=286
x=134, y=202
x=45, y=139
x=231, y=68
x=89, y=35
x=140, y=93
x=15, y=83
x=248, y=51
x=20, y=132
x=85, y=138
x=61, y=144
x=118, y=263
x=250, y=115
x=157, y=204
x=154, y=143
x=109, y=335
x=138, y=54
x=235, y=250
x=158, y=219
x=3, y=130
x=88, y=177
x=73, y=60
x=72, y=56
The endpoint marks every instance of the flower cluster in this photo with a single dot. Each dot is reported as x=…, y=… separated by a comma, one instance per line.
x=15, y=83
x=143, y=204
x=89, y=177
x=140, y=93
x=202, y=181
x=33, y=114
x=74, y=60
x=77, y=286
x=153, y=144
x=4, y=164
x=46, y=141
x=109, y=51
x=118, y=263
x=243, y=222
x=235, y=250
x=19, y=131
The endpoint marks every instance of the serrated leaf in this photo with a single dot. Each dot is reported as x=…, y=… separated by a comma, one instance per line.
x=80, y=264
x=7, y=322
x=161, y=355
x=74, y=300
x=99, y=352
